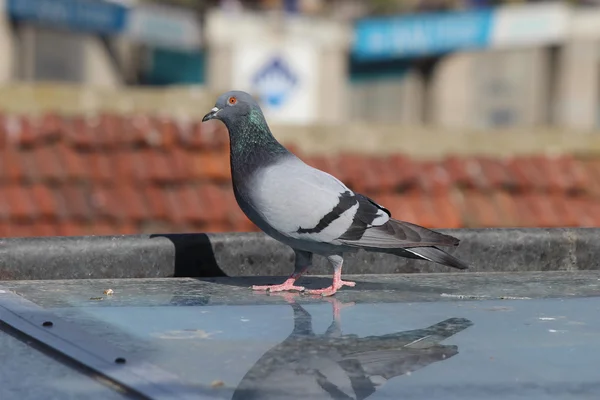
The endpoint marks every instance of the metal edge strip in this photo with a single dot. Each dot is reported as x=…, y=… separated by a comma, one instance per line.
x=71, y=341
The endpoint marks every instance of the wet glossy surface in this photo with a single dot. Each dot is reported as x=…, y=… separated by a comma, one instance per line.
x=392, y=337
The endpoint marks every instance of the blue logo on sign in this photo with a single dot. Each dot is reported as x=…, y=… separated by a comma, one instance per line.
x=275, y=81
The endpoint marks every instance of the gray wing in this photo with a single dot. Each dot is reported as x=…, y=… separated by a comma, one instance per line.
x=303, y=202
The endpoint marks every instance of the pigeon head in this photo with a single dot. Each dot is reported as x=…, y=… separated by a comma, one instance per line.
x=233, y=106
x=249, y=133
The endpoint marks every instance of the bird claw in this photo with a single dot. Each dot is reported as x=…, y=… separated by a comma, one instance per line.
x=331, y=290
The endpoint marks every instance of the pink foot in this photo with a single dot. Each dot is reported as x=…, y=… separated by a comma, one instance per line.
x=287, y=285
x=331, y=290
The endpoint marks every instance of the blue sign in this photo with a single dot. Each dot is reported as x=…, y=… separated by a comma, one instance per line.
x=275, y=82
x=87, y=15
x=421, y=34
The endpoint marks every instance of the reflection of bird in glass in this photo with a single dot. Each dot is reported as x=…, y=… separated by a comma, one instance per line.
x=336, y=366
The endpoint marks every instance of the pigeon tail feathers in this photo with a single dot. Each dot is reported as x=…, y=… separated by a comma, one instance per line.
x=398, y=234
x=437, y=256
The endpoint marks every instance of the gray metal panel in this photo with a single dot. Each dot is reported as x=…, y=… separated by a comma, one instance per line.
x=27, y=374
x=86, y=349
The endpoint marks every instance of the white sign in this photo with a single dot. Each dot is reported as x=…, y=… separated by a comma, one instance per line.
x=532, y=24
x=283, y=76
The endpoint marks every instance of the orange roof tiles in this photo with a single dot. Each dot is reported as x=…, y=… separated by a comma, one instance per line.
x=113, y=175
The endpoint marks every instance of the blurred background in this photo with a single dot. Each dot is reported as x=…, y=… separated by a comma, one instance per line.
x=452, y=113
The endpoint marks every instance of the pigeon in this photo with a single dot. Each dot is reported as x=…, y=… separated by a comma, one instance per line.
x=334, y=365
x=308, y=209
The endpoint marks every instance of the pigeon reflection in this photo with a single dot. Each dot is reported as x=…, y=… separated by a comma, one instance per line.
x=331, y=365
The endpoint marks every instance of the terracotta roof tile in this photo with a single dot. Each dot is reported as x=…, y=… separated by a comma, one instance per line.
x=457, y=170
x=109, y=130
x=126, y=228
x=20, y=229
x=138, y=130
x=50, y=127
x=211, y=166
x=77, y=202
x=212, y=203
x=42, y=228
x=157, y=165
x=20, y=202
x=45, y=164
x=526, y=173
x=495, y=173
x=169, y=132
x=433, y=178
x=12, y=165
x=21, y=130
x=45, y=201
x=422, y=208
x=78, y=132
x=130, y=199
x=73, y=163
x=129, y=165
x=357, y=171
x=101, y=166
x=508, y=210
x=479, y=210
x=103, y=228
x=578, y=180
x=193, y=207
x=542, y=208
x=158, y=203
x=5, y=229
x=179, y=163
x=446, y=210
x=108, y=174
x=564, y=208
x=405, y=170
x=71, y=228
x=586, y=210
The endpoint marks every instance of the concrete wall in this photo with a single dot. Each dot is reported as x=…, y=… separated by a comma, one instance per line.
x=492, y=89
x=99, y=70
x=578, y=105
x=7, y=42
x=388, y=100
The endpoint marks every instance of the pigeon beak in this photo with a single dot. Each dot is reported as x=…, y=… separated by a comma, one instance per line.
x=211, y=115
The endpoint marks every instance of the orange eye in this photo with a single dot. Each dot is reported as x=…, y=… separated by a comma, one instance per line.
x=232, y=100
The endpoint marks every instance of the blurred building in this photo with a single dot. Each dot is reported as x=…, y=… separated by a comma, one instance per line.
x=469, y=64
x=99, y=43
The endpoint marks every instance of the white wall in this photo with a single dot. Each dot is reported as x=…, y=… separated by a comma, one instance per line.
x=7, y=40
x=99, y=69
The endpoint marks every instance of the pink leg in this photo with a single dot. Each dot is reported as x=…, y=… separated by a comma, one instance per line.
x=287, y=285
x=338, y=306
x=337, y=279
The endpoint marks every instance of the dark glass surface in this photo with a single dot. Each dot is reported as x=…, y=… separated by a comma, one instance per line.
x=427, y=341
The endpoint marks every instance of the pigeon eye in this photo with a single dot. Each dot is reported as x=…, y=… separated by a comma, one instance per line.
x=232, y=100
